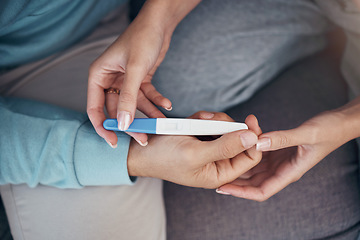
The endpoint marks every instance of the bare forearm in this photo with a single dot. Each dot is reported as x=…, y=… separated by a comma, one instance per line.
x=351, y=118
x=357, y=3
x=166, y=13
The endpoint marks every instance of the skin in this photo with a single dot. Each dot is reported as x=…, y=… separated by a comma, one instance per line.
x=188, y=161
x=130, y=63
x=291, y=153
x=357, y=3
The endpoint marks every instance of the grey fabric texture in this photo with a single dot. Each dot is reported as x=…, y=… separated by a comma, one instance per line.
x=220, y=55
x=4, y=225
x=323, y=204
x=224, y=51
x=347, y=15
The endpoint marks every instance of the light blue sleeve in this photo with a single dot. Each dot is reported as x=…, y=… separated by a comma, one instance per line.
x=44, y=144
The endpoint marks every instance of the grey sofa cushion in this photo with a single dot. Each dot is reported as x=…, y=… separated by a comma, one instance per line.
x=4, y=226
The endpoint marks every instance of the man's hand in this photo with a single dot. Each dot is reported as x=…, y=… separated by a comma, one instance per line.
x=189, y=161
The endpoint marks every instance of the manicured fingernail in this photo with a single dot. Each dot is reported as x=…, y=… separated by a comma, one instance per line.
x=141, y=143
x=168, y=109
x=263, y=144
x=123, y=120
x=111, y=145
x=222, y=192
x=207, y=115
x=248, y=139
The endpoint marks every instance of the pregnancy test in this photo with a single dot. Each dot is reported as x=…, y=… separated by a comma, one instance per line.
x=177, y=126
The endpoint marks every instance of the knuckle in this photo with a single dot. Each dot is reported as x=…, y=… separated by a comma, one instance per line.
x=93, y=69
x=296, y=177
x=92, y=111
x=153, y=113
x=141, y=97
x=226, y=151
x=157, y=98
x=263, y=197
x=126, y=97
x=135, y=65
x=283, y=141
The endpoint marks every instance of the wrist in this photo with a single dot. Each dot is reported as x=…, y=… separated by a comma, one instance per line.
x=350, y=119
x=166, y=14
x=134, y=163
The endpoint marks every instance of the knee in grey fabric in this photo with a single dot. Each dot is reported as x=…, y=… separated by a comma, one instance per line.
x=223, y=52
x=323, y=204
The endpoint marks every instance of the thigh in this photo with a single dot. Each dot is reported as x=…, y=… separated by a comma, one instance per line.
x=118, y=212
x=324, y=203
x=224, y=51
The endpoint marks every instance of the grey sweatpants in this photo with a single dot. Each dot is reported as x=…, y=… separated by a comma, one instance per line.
x=220, y=55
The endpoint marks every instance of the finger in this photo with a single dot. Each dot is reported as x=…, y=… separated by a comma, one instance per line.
x=261, y=167
x=283, y=139
x=154, y=96
x=268, y=187
x=111, y=104
x=240, y=164
x=227, y=146
x=253, y=124
x=216, y=116
x=140, y=138
x=145, y=106
x=95, y=111
x=134, y=75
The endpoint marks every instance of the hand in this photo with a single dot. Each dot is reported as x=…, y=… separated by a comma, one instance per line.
x=128, y=64
x=301, y=149
x=189, y=161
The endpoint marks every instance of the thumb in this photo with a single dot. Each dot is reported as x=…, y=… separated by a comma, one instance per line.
x=281, y=139
x=228, y=146
x=128, y=96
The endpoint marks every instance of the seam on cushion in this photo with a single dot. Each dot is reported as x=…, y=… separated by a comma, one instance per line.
x=17, y=212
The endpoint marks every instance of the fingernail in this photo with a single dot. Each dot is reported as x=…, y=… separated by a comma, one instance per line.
x=263, y=144
x=111, y=145
x=141, y=143
x=207, y=115
x=222, y=192
x=123, y=120
x=248, y=139
x=168, y=109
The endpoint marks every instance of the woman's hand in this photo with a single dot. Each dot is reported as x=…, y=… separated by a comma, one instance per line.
x=298, y=150
x=189, y=161
x=129, y=64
